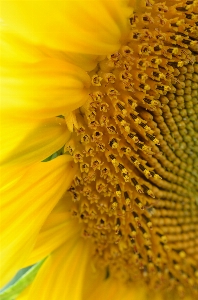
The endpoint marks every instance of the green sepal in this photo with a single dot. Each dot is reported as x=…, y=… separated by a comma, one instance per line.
x=13, y=290
x=54, y=155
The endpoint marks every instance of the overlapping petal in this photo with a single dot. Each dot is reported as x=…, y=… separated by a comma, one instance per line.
x=26, y=141
x=44, y=89
x=93, y=26
x=62, y=274
x=16, y=48
x=25, y=206
x=115, y=289
x=107, y=289
x=58, y=228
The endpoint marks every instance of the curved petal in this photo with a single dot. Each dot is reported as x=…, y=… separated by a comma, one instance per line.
x=24, y=294
x=85, y=61
x=25, y=141
x=25, y=206
x=116, y=289
x=93, y=26
x=108, y=289
x=20, y=49
x=58, y=228
x=62, y=274
x=43, y=89
x=10, y=176
x=15, y=48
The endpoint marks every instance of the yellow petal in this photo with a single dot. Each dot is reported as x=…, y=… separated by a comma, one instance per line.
x=62, y=274
x=71, y=121
x=44, y=89
x=116, y=289
x=85, y=61
x=25, y=206
x=107, y=289
x=93, y=26
x=9, y=176
x=15, y=48
x=24, y=294
x=25, y=141
x=18, y=49
x=58, y=228
x=113, y=288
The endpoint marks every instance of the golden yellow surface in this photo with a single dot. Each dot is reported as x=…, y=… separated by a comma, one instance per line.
x=136, y=147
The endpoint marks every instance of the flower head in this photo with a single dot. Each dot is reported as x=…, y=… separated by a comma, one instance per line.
x=99, y=157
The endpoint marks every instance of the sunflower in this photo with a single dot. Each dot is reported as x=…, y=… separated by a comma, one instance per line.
x=99, y=148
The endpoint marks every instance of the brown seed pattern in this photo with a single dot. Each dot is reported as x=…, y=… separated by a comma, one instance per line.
x=136, y=145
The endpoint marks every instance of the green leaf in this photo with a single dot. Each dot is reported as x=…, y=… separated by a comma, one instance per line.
x=54, y=155
x=15, y=287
